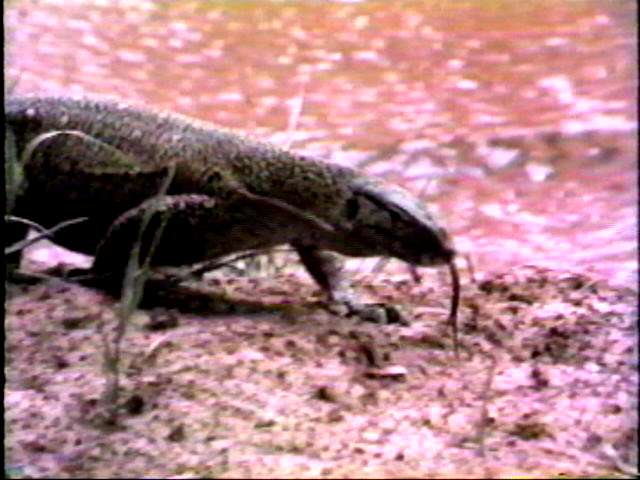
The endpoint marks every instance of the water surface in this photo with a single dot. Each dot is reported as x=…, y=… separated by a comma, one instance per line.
x=516, y=120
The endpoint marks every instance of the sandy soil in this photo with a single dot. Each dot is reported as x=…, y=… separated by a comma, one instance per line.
x=547, y=382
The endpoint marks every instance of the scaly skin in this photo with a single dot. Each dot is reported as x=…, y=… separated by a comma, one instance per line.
x=229, y=193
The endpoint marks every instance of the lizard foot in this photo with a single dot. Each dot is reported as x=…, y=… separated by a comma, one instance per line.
x=379, y=313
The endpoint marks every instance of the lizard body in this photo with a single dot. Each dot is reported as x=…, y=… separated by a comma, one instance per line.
x=228, y=194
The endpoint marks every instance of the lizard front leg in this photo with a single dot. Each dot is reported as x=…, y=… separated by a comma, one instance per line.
x=327, y=270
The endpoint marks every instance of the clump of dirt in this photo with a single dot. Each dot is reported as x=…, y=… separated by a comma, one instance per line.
x=545, y=384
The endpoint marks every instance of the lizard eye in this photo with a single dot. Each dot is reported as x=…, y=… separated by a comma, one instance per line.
x=353, y=207
x=395, y=216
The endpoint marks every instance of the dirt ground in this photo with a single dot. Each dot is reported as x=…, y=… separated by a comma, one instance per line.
x=546, y=384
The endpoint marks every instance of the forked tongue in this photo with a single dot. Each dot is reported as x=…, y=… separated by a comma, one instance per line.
x=455, y=302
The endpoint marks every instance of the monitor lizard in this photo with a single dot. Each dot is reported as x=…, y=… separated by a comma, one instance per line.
x=228, y=194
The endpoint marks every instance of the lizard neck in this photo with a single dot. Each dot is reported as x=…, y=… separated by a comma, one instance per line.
x=303, y=182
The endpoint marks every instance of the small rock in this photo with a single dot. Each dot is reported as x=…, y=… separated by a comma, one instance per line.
x=466, y=84
x=455, y=64
x=249, y=356
x=370, y=436
x=335, y=416
x=530, y=430
x=497, y=158
x=326, y=393
x=60, y=361
x=134, y=404
x=539, y=172
x=35, y=445
x=264, y=424
x=176, y=434
x=394, y=372
x=72, y=322
x=417, y=145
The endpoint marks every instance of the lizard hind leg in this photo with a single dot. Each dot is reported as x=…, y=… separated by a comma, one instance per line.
x=186, y=221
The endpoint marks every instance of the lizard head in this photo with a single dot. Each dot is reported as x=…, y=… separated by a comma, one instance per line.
x=387, y=220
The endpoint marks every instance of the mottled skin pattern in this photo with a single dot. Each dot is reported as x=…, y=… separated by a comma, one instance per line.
x=210, y=216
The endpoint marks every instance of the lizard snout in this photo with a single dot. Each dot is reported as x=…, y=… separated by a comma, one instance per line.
x=443, y=256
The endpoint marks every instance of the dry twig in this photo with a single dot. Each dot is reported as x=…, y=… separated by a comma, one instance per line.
x=43, y=232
